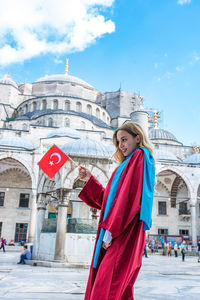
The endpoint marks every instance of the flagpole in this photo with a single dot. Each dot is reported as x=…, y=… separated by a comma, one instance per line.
x=73, y=161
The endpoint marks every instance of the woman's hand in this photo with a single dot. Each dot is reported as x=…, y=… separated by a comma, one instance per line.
x=84, y=174
x=106, y=246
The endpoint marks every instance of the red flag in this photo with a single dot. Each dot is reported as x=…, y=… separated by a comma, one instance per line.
x=52, y=161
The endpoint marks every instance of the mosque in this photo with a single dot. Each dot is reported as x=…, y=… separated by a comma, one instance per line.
x=70, y=113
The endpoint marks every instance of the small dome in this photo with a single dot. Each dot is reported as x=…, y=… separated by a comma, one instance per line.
x=64, y=78
x=86, y=147
x=65, y=131
x=164, y=155
x=16, y=142
x=160, y=134
x=193, y=159
x=8, y=81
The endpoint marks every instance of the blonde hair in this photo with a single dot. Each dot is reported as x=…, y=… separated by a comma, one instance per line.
x=134, y=129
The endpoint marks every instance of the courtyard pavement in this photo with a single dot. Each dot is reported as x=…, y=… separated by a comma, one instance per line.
x=160, y=278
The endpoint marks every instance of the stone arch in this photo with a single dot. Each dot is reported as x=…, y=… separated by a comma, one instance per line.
x=89, y=109
x=44, y=104
x=50, y=122
x=78, y=107
x=175, y=183
x=67, y=105
x=55, y=104
x=34, y=105
x=24, y=163
x=179, y=173
x=98, y=113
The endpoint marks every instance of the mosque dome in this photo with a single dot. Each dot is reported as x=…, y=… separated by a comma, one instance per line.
x=161, y=134
x=164, y=155
x=8, y=81
x=64, y=78
x=193, y=159
x=65, y=131
x=86, y=147
x=16, y=142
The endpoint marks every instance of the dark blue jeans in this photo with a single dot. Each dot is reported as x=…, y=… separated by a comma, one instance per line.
x=22, y=258
x=3, y=248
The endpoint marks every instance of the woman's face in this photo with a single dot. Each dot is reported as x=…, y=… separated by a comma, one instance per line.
x=126, y=142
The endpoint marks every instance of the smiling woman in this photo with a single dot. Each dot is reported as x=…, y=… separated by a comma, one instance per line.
x=126, y=206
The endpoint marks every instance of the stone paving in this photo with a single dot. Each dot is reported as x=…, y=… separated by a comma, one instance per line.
x=161, y=278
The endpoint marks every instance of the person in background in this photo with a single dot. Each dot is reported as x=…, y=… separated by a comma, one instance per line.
x=183, y=250
x=26, y=254
x=175, y=250
x=3, y=242
x=198, y=249
x=152, y=246
x=169, y=249
x=145, y=250
x=156, y=246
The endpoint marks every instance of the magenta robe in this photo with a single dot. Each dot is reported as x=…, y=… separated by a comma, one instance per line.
x=119, y=265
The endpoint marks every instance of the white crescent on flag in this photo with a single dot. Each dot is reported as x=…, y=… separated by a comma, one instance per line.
x=58, y=155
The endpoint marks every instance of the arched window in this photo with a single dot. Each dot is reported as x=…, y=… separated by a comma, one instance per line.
x=50, y=122
x=55, y=104
x=67, y=122
x=26, y=108
x=20, y=111
x=82, y=125
x=24, y=127
x=108, y=120
x=34, y=106
x=104, y=116
x=44, y=104
x=89, y=109
x=98, y=113
x=67, y=105
x=78, y=107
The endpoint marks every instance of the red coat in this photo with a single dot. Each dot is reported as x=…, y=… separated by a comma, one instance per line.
x=119, y=265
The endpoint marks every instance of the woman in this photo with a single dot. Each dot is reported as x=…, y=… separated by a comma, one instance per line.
x=183, y=250
x=126, y=205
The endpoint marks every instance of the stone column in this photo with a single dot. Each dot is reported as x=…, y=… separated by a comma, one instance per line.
x=63, y=202
x=193, y=223
x=141, y=117
x=32, y=224
x=41, y=208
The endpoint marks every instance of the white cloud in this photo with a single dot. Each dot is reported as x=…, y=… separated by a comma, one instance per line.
x=195, y=58
x=182, y=2
x=179, y=68
x=31, y=28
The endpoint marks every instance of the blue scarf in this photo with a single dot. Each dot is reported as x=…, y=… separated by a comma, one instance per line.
x=147, y=196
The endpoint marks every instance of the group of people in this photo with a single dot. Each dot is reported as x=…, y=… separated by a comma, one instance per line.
x=26, y=254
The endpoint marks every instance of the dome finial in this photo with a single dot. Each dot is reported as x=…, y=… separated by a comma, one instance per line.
x=8, y=76
x=66, y=66
x=155, y=120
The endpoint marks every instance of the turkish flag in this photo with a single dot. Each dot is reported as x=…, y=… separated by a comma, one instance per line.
x=52, y=161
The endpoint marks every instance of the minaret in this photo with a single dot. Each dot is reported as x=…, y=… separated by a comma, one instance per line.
x=66, y=67
x=141, y=117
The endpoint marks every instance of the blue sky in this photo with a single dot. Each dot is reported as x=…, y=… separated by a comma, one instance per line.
x=149, y=46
